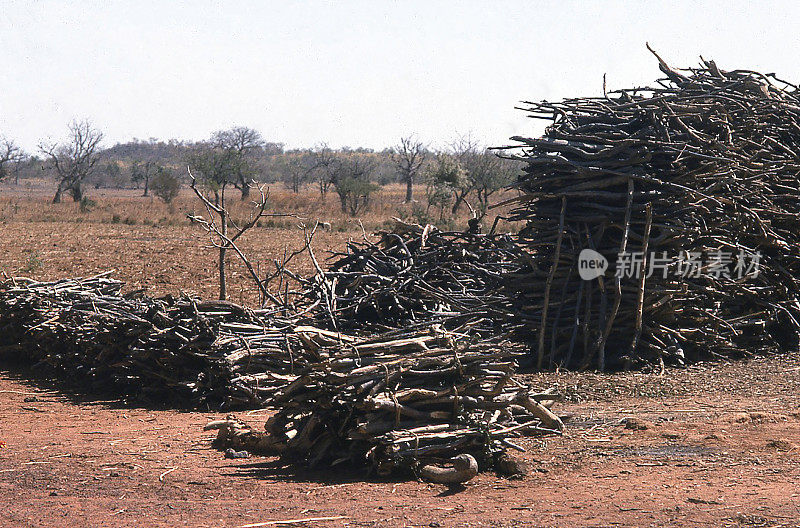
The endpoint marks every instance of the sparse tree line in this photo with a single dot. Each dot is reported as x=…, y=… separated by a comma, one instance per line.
x=443, y=180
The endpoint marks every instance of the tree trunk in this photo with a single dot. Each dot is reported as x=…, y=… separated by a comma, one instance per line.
x=223, y=294
x=77, y=192
x=409, y=189
x=459, y=200
x=245, y=191
x=59, y=192
x=146, y=185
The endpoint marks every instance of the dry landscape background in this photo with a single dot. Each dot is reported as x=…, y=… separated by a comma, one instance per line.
x=153, y=245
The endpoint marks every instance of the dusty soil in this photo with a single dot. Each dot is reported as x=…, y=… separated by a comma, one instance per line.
x=714, y=445
x=160, y=259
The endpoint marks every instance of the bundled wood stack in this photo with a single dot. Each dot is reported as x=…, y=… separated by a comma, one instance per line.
x=401, y=399
x=701, y=169
x=404, y=400
x=417, y=275
x=174, y=349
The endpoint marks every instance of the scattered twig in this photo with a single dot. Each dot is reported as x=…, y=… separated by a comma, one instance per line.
x=164, y=474
x=294, y=521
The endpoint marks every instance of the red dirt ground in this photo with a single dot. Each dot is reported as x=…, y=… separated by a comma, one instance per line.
x=720, y=448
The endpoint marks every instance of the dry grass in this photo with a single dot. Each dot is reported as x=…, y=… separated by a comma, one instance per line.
x=30, y=202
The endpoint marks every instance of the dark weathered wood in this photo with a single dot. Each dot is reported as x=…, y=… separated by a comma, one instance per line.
x=713, y=157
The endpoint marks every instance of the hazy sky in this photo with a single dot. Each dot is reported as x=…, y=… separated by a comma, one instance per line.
x=355, y=73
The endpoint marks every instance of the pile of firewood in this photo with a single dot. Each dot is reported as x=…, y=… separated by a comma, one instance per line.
x=404, y=400
x=401, y=399
x=695, y=182
x=181, y=350
x=417, y=276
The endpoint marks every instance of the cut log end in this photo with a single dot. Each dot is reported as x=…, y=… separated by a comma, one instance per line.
x=464, y=468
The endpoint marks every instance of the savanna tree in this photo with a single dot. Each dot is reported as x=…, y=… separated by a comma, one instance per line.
x=325, y=167
x=141, y=172
x=10, y=156
x=484, y=173
x=443, y=177
x=240, y=144
x=352, y=181
x=216, y=169
x=165, y=184
x=75, y=159
x=408, y=158
x=296, y=168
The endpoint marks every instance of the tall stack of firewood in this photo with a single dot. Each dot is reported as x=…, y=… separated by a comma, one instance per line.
x=695, y=183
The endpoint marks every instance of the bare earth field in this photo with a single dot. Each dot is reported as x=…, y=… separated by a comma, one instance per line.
x=160, y=259
x=720, y=447
x=711, y=445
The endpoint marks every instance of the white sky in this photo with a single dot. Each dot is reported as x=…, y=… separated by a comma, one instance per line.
x=354, y=73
